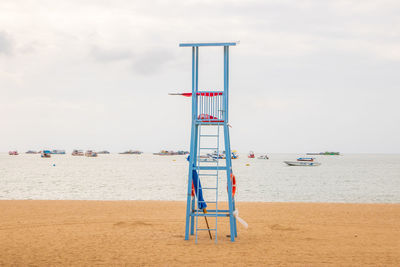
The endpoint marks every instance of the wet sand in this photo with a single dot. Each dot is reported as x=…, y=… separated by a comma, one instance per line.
x=152, y=233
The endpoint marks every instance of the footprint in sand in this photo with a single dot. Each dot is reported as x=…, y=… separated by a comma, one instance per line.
x=281, y=228
x=131, y=224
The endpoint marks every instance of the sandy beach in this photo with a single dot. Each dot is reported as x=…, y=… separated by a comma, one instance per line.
x=152, y=233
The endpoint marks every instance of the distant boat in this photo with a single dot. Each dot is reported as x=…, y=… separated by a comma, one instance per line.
x=76, y=152
x=58, y=152
x=327, y=153
x=13, y=153
x=302, y=163
x=131, y=152
x=235, y=155
x=305, y=159
x=251, y=155
x=263, y=157
x=103, y=152
x=31, y=152
x=171, y=153
x=90, y=153
x=46, y=154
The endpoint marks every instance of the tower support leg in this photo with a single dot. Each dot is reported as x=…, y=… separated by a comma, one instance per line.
x=229, y=182
x=192, y=217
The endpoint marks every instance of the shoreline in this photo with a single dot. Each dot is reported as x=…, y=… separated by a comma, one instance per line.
x=88, y=232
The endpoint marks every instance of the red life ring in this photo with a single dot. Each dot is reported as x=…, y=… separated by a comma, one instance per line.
x=233, y=180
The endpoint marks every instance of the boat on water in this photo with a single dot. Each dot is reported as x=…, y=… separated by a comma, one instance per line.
x=46, y=154
x=13, y=153
x=235, y=155
x=302, y=163
x=264, y=156
x=305, y=159
x=31, y=152
x=216, y=155
x=251, y=155
x=58, y=152
x=77, y=152
x=131, y=152
x=171, y=153
x=103, y=152
x=90, y=153
x=326, y=153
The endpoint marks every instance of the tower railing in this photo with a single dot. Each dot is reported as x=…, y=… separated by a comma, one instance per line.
x=210, y=106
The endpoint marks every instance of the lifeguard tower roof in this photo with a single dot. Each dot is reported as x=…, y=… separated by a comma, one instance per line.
x=208, y=44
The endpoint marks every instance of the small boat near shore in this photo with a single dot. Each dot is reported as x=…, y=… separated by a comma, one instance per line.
x=31, y=152
x=251, y=155
x=103, y=152
x=264, y=156
x=13, y=153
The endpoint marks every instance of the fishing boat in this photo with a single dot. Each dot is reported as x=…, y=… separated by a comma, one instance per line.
x=46, y=154
x=90, y=153
x=326, y=153
x=103, y=152
x=58, y=152
x=13, y=153
x=263, y=157
x=131, y=152
x=77, y=152
x=251, y=155
x=171, y=153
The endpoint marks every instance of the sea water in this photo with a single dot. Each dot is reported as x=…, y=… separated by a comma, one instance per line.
x=355, y=178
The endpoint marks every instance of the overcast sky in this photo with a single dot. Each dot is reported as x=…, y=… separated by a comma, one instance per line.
x=307, y=75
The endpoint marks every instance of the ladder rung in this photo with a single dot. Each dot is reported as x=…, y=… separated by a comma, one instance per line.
x=208, y=202
x=207, y=174
x=212, y=211
x=209, y=148
x=210, y=214
x=209, y=188
x=206, y=229
x=209, y=135
x=210, y=168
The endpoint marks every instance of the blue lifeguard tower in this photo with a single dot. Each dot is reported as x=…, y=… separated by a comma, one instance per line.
x=210, y=118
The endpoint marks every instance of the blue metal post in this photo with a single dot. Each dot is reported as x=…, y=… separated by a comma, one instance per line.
x=192, y=217
x=192, y=148
x=227, y=145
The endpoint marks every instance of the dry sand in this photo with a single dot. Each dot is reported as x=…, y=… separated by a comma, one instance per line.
x=152, y=232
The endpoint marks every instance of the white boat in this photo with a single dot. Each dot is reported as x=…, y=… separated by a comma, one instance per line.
x=263, y=157
x=302, y=163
